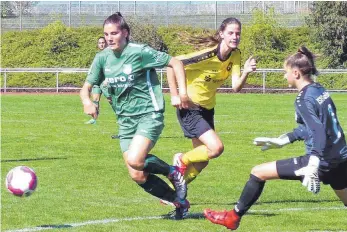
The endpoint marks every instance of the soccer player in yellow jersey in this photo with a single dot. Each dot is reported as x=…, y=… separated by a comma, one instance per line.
x=206, y=71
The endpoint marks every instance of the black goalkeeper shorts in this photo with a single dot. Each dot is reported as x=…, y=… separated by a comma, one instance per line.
x=335, y=177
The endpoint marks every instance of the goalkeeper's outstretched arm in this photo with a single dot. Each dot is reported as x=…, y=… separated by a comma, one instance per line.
x=298, y=134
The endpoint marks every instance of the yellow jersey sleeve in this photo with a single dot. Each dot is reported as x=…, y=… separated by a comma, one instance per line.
x=205, y=73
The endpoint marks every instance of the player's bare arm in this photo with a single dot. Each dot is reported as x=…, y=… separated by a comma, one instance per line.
x=249, y=67
x=88, y=106
x=176, y=74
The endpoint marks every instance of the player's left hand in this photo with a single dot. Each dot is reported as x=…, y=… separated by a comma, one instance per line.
x=176, y=101
x=181, y=102
x=185, y=101
x=250, y=65
x=310, y=173
x=90, y=108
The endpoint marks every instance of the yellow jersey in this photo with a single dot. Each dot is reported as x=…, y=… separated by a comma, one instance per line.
x=205, y=72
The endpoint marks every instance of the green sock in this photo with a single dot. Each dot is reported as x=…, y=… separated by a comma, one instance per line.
x=156, y=166
x=158, y=188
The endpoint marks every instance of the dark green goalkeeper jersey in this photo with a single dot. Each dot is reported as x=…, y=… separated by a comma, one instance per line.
x=132, y=79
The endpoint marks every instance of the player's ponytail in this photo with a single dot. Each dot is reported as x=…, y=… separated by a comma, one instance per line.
x=215, y=39
x=118, y=19
x=304, y=61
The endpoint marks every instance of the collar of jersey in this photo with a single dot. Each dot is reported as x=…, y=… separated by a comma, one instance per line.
x=220, y=55
x=118, y=54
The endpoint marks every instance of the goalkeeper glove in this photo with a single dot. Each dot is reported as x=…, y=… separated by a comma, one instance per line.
x=270, y=143
x=310, y=173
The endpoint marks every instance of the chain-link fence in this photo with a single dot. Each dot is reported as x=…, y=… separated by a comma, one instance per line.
x=24, y=15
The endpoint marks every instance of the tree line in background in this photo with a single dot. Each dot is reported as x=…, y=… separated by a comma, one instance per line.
x=59, y=46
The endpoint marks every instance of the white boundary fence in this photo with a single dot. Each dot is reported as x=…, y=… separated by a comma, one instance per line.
x=161, y=72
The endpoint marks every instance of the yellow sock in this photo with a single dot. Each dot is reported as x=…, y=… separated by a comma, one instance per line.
x=190, y=174
x=198, y=154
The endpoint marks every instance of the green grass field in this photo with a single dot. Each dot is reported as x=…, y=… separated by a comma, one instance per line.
x=84, y=185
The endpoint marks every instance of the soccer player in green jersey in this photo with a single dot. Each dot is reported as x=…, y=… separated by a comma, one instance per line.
x=137, y=99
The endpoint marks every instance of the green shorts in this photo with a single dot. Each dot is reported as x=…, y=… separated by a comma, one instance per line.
x=149, y=125
x=101, y=89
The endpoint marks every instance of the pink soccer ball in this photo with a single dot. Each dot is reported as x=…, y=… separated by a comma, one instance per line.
x=21, y=181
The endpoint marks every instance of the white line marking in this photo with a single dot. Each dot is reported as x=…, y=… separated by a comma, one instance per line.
x=113, y=220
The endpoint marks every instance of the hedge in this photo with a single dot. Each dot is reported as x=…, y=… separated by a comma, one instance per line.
x=59, y=46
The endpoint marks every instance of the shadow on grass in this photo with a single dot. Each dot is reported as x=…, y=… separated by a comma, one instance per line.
x=33, y=159
x=55, y=226
x=262, y=214
x=189, y=216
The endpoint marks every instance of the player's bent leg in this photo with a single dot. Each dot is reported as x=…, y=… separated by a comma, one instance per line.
x=138, y=159
x=152, y=184
x=194, y=170
x=342, y=194
x=138, y=150
x=250, y=194
x=231, y=219
x=191, y=171
x=139, y=177
x=213, y=143
x=212, y=147
x=265, y=171
x=255, y=185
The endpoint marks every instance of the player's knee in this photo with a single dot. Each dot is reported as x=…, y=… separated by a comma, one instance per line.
x=256, y=171
x=216, y=150
x=135, y=164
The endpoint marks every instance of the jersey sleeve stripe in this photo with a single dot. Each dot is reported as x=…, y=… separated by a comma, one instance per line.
x=151, y=92
x=199, y=57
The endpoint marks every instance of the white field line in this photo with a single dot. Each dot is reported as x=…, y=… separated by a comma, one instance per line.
x=113, y=220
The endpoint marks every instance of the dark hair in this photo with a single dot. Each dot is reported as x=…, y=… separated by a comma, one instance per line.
x=302, y=60
x=101, y=37
x=215, y=39
x=117, y=18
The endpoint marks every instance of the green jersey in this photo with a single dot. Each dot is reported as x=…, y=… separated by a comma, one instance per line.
x=132, y=79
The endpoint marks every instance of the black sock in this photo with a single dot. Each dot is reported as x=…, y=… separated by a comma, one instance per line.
x=158, y=188
x=250, y=194
x=156, y=166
